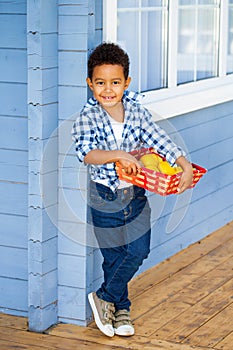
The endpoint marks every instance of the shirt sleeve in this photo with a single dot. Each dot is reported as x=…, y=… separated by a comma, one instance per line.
x=83, y=135
x=154, y=136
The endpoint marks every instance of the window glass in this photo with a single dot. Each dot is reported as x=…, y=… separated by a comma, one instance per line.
x=145, y=40
x=230, y=39
x=198, y=44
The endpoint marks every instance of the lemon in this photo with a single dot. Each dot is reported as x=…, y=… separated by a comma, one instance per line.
x=150, y=161
x=178, y=169
x=166, y=168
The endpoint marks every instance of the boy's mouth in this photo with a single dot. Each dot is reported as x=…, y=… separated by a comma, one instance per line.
x=107, y=98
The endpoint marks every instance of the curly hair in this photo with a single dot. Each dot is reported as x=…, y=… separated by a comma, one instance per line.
x=108, y=53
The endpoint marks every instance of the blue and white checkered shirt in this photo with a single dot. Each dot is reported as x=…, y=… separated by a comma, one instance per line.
x=93, y=130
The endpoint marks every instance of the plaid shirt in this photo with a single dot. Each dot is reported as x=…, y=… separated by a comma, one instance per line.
x=93, y=130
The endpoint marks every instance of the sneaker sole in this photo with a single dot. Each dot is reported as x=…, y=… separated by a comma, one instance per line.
x=98, y=322
x=125, y=333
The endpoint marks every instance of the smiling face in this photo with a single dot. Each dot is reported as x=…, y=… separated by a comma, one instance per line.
x=108, y=85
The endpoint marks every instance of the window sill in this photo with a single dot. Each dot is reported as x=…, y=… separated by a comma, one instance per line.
x=171, y=102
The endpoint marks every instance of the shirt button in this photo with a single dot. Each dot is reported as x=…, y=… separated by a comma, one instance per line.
x=125, y=191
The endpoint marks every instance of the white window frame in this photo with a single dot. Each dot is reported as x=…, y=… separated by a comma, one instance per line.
x=176, y=100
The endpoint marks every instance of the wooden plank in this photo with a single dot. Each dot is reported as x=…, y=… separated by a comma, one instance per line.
x=181, y=279
x=179, y=261
x=30, y=340
x=135, y=342
x=213, y=331
x=226, y=343
x=159, y=315
x=12, y=345
x=16, y=322
x=192, y=319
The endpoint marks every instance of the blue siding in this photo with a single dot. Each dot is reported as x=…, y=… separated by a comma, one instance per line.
x=208, y=137
x=42, y=43
x=48, y=266
x=13, y=155
x=75, y=260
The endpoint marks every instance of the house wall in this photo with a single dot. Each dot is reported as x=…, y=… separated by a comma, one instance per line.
x=61, y=34
x=13, y=157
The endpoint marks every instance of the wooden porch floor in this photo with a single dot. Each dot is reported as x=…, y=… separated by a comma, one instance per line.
x=184, y=303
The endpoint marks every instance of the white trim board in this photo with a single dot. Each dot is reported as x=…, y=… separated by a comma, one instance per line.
x=168, y=103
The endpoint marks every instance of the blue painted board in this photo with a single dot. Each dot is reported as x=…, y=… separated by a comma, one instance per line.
x=42, y=50
x=14, y=7
x=14, y=233
x=13, y=99
x=13, y=133
x=14, y=27
x=69, y=104
x=13, y=65
x=9, y=299
x=67, y=243
x=72, y=68
x=40, y=319
x=76, y=233
x=42, y=224
x=43, y=256
x=13, y=263
x=43, y=16
x=72, y=41
x=72, y=24
x=72, y=303
x=72, y=271
x=43, y=289
x=13, y=198
x=42, y=123
x=72, y=9
x=13, y=165
x=43, y=86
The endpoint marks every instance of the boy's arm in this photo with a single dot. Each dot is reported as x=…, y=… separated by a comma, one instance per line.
x=128, y=162
x=187, y=175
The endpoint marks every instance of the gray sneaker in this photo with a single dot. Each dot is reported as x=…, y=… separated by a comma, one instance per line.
x=103, y=314
x=123, y=325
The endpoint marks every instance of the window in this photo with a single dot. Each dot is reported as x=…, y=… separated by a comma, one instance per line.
x=198, y=40
x=172, y=42
x=230, y=39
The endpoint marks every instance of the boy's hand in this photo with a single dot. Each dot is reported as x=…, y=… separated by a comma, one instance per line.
x=187, y=175
x=185, y=180
x=129, y=163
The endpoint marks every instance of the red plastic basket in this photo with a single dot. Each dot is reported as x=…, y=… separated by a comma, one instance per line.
x=155, y=181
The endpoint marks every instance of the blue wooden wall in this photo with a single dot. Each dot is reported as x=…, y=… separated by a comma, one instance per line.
x=44, y=238
x=80, y=29
x=13, y=157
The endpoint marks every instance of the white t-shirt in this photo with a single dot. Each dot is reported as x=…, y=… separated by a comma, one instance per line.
x=117, y=128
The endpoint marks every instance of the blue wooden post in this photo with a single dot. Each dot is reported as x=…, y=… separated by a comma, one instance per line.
x=42, y=121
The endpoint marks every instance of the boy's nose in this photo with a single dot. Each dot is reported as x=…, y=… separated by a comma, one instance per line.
x=108, y=87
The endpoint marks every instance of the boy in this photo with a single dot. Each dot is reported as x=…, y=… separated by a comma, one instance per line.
x=110, y=125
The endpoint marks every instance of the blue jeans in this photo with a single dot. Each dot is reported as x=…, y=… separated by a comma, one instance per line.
x=121, y=222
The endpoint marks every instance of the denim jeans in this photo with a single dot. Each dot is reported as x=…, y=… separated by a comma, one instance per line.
x=121, y=222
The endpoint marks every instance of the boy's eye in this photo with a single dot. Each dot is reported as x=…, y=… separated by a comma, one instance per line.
x=100, y=83
x=116, y=82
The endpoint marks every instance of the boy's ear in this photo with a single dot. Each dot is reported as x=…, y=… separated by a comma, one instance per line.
x=127, y=82
x=89, y=83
